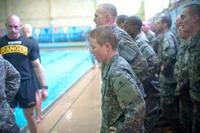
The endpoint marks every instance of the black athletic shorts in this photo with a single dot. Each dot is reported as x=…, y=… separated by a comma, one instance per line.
x=25, y=97
x=36, y=82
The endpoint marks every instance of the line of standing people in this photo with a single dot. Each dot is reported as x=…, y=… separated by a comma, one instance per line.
x=157, y=64
x=127, y=64
x=188, y=79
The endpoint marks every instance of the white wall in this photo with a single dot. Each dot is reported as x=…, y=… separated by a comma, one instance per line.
x=126, y=7
x=152, y=7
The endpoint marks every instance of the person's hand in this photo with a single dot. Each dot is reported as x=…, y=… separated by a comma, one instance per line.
x=162, y=68
x=44, y=93
x=112, y=129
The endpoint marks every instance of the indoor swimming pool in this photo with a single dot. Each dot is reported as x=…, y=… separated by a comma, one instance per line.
x=62, y=69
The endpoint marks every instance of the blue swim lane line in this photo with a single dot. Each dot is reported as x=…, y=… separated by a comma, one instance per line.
x=62, y=69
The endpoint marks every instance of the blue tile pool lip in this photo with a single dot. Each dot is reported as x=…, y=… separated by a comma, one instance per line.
x=62, y=70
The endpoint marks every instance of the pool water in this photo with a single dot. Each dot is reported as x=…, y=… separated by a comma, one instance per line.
x=62, y=69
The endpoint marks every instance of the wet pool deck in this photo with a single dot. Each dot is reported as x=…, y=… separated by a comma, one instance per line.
x=78, y=110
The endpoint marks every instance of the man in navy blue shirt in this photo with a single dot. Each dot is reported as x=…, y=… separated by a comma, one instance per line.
x=23, y=55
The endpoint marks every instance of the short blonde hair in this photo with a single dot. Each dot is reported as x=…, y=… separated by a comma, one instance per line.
x=103, y=34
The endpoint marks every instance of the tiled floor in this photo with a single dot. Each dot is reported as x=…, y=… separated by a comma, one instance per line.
x=78, y=110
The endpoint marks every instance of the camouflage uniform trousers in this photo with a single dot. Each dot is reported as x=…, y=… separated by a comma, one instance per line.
x=7, y=123
x=169, y=102
x=196, y=116
x=152, y=106
x=137, y=125
x=186, y=109
x=14, y=129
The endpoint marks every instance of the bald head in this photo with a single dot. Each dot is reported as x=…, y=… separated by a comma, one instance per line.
x=27, y=30
x=13, y=17
x=13, y=25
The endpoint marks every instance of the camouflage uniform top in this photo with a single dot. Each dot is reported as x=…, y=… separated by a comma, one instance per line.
x=181, y=72
x=155, y=42
x=150, y=35
x=194, y=67
x=152, y=59
x=9, y=84
x=167, y=53
x=131, y=53
x=176, y=34
x=123, y=105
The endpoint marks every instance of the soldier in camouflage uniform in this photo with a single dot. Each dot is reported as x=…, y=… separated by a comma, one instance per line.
x=123, y=105
x=106, y=15
x=175, y=29
x=133, y=26
x=9, y=84
x=181, y=73
x=120, y=20
x=147, y=29
x=190, y=23
x=167, y=55
x=155, y=42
